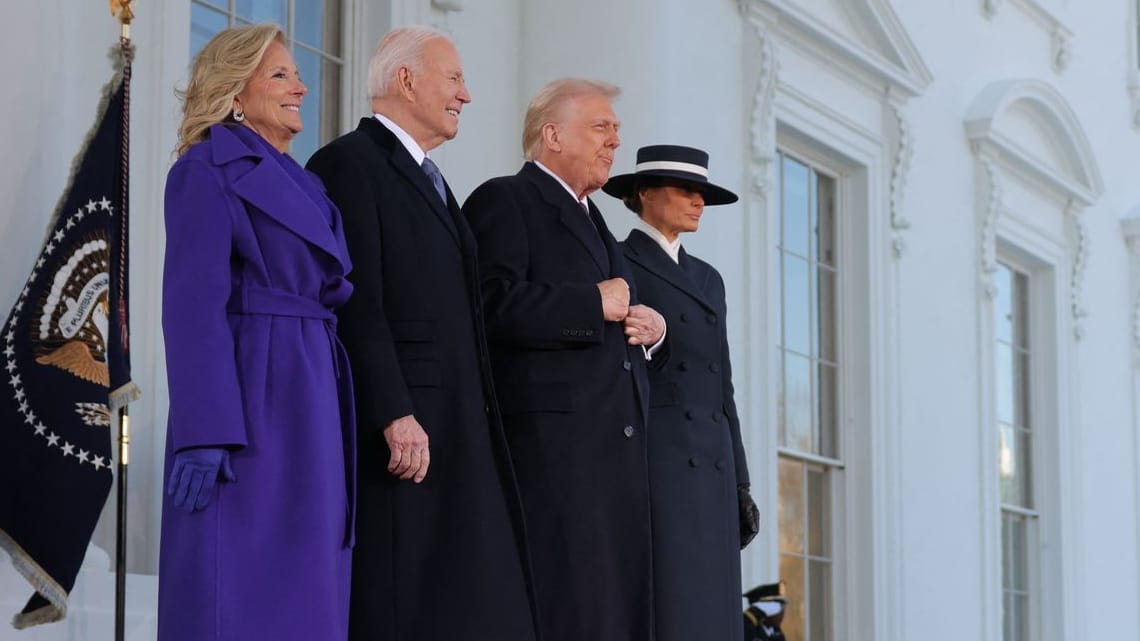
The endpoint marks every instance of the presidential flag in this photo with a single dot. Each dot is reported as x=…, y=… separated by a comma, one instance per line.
x=63, y=354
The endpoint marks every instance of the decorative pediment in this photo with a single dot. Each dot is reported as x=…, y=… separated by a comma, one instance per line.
x=864, y=34
x=1028, y=125
x=1026, y=128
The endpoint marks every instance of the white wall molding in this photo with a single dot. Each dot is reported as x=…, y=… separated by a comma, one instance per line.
x=762, y=128
x=1079, y=242
x=1060, y=36
x=900, y=66
x=990, y=210
x=904, y=153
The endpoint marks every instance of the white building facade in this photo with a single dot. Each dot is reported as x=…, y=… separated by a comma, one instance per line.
x=933, y=273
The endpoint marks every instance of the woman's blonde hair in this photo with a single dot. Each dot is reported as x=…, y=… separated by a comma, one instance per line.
x=544, y=107
x=219, y=73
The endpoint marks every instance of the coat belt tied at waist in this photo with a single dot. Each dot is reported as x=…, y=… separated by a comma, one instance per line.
x=264, y=301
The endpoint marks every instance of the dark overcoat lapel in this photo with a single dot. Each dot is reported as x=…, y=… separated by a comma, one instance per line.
x=403, y=163
x=571, y=216
x=689, y=277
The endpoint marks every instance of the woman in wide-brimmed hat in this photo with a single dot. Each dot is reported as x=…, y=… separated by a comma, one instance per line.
x=702, y=512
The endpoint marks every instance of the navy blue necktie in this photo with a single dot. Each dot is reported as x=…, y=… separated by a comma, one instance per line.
x=436, y=178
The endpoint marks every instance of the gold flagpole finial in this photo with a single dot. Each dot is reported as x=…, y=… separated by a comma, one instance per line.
x=122, y=10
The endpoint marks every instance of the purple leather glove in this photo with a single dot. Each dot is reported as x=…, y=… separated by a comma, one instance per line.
x=194, y=476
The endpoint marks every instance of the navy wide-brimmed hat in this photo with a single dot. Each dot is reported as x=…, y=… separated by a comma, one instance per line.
x=671, y=161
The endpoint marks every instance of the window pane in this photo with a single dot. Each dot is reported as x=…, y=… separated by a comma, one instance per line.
x=825, y=221
x=1008, y=617
x=204, y=24
x=1015, y=578
x=791, y=507
x=828, y=425
x=1019, y=308
x=263, y=11
x=1024, y=452
x=317, y=23
x=1021, y=617
x=792, y=573
x=319, y=113
x=798, y=403
x=797, y=310
x=819, y=509
x=825, y=315
x=1003, y=379
x=1021, y=389
x=1009, y=462
x=1014, y=562
x=795, y=207
x=819, y=595
x=1003, y=314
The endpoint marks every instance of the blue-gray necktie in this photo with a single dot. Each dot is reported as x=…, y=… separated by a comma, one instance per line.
x=436, y=178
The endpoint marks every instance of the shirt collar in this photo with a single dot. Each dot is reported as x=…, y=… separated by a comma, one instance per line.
x=673, y=249
x=565, y=186
x=406, y=140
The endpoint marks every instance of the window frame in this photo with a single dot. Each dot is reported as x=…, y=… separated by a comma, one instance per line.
x=848, y=594
x=1030, y=512
x=1020, y=246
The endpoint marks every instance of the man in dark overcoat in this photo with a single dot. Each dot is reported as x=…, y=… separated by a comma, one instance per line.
x=569, y=346
x=439, y=546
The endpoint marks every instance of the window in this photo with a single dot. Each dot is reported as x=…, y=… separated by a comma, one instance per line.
x=809, y=456
x=1019, y=517
x=313, y=31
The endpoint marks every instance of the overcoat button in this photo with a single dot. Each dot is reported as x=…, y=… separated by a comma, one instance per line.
x=689, y=414
x=684, y=317
x=714, y=368
x=716, y=417
x=720, y=464
x=628, y=431
x=683, y=366
x=711, y=318
x=626, y=365
x=694, y=462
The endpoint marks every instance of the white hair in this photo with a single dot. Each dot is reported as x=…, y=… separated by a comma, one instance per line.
x=402, y=47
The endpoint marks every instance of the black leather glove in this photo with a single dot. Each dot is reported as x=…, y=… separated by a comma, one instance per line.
x=749, y=516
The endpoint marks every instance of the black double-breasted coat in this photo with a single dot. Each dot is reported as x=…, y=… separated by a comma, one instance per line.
x=696, y=457
x=440, y=559
x=574, y=397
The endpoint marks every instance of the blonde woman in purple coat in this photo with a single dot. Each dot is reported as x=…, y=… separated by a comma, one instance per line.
x=258, y=516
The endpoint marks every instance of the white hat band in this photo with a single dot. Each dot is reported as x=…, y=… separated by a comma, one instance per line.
x=672, y=165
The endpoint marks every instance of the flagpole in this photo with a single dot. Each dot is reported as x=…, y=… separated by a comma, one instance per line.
x=122, y=9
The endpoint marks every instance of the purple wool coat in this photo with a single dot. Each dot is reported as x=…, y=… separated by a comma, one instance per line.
x=255, y=265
